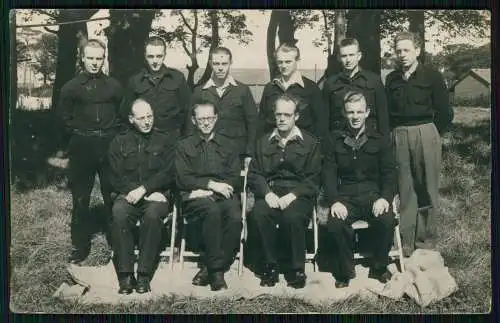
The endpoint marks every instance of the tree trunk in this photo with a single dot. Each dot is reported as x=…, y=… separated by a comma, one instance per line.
x=417, y=26
x=333, y=65
x=127, y=33
x=359, y=22
x=272, y=29
x=214, y=22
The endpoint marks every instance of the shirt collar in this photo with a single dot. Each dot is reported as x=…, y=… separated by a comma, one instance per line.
x=199, y=139
x=229, y=80
x=295, y=78
x=294, y=133
x=85, y=76
x=147, y=74
x=410, y=71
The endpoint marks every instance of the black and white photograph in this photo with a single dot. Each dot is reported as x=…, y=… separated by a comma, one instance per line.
x=256, y=161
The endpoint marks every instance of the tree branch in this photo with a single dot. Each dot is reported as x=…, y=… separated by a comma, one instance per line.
x=183, y=42
x=47, y=13
x=50, y=30
x=184, y=20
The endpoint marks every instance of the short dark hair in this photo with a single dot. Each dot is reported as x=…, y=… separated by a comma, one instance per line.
x=94, y=43
x=286, y=48
x=287, y=98
x=221, y=50
x=348, y=42
x=354, y=96
x=155, y=41
x=406, y=35
x=200, y=102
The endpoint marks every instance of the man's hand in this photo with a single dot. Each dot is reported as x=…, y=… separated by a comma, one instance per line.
x=156, y=197
x=272, y=200
x=222, y=188
x=339, y=211
x=286, y=200
x=380, y=207
x=200, y=193
x=136, y=195
x=246, y=162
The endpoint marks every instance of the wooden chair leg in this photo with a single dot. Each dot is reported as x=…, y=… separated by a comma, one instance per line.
x=183, y=245
x=400, y=248
x=315, y=237
x=172, y=237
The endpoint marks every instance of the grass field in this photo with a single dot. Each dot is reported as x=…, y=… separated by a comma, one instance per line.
x=40, y=242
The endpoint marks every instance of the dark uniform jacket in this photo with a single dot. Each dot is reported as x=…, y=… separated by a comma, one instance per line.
x=198, y=161
x=90, y=104
x=422, y=99
x=237, y=115
x=142, y=159
x=337, y=86
x=357, y=168
x=168, y=97
x=313, y=112
x=297, y=166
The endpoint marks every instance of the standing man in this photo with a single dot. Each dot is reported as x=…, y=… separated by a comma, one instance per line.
x=354, y=78
x=358, y=178
x=419, y=112
x=284, y=178
x=237, y=117
x=89, y=107
x=208, y=175
x=142, y=163
x=165, y=88
x=310, y=105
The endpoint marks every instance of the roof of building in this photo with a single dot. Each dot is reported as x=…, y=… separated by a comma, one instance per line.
x=483, y=75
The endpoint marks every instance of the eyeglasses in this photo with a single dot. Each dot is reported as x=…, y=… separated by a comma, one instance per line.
x=205, y=119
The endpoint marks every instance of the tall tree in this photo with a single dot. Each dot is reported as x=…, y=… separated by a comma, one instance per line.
x=127, y=33
x=45, y=56
x=201, y=29
x=359, y=21
x=417, y=26
x=333, y=65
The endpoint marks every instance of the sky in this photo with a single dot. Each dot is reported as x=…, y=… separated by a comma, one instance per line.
x=253, y=55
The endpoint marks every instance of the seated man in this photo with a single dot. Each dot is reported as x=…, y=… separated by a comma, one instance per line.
x=285, y=179
x=208, y=174
x=358, y=180
x=142, y=173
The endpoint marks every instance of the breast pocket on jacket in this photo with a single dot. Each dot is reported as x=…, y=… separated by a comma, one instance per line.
x=155, y=153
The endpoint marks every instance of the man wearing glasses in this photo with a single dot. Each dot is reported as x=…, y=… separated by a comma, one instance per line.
x=208, y=175
x=284, y=177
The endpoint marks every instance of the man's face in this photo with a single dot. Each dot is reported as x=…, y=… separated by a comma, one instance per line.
x=349, y=57
x=93, y=59
x=205, y=118
x=220, y=65
x=287, y=62
x=285, y=115
x=406, y=52
x=155, y=55
x=142, y=117
x=356, y=114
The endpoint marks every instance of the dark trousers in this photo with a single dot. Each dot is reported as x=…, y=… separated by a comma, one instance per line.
x=286, y=245
x=125, y=216
x=218, y=224
x=87, y=156
x=336, y=238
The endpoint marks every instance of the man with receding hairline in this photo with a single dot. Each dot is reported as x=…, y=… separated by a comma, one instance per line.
x=89, y=108
x=142, y=176
x=311, y=108
x=419, y=113
x=164, y=87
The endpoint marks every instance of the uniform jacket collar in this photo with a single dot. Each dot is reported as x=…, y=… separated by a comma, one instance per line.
x=295, y=78
x=229, y=80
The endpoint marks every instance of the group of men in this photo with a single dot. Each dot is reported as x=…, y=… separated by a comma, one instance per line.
x=346, y=144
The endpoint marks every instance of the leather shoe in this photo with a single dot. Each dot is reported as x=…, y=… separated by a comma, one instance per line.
x=143, y=284
x=217, y=281
x=201, y=278
x=269, y=277
x=380, y=274
x=341, y=283
x=296, y=279
x=127, y=284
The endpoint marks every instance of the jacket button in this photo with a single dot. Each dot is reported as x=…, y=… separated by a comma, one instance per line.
x=282, y=160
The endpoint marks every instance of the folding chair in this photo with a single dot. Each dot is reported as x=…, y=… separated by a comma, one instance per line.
x=239, y=256
x=397, y=251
